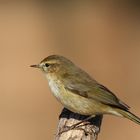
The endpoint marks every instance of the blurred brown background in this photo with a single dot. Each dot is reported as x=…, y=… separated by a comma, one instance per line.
x=101, y=37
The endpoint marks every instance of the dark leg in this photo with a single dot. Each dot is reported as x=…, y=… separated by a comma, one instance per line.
x=77, y=125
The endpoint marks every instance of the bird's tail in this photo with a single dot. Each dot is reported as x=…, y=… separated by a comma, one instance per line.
x=129, y=115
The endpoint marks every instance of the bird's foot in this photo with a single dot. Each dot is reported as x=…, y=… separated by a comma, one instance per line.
x=77, y=126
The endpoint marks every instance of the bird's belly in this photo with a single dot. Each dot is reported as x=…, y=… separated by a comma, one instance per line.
x=81, y=105
x=75, y=102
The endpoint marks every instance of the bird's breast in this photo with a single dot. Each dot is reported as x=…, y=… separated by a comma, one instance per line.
x=55, y=88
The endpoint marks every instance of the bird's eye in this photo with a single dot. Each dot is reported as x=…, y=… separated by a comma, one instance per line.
x=47, y=65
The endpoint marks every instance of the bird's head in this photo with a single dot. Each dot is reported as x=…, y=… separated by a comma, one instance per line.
x=54, y=63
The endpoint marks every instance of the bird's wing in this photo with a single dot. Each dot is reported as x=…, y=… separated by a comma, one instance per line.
x=93, y=90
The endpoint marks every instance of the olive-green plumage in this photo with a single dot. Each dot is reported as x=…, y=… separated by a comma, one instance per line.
x=80, y=93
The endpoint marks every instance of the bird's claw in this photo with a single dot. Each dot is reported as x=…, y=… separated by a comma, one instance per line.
x=79, y=127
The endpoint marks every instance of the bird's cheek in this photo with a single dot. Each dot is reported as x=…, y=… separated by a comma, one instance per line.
x=43, y=69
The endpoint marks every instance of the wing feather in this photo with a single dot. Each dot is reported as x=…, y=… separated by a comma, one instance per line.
x=89, y=88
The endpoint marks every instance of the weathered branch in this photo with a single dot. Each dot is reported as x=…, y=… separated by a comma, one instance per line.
x=88, y=131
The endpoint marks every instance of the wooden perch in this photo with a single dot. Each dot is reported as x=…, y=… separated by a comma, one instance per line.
x=88, y=131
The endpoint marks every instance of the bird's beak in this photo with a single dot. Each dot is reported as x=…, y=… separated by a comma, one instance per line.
x=35, y=66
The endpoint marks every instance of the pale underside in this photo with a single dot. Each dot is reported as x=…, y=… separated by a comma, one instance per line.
x=78, y=103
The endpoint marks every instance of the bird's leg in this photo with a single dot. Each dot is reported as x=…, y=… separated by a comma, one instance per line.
x=77, y=125
x=83, y=121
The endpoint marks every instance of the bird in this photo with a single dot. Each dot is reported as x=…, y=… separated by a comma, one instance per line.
x=77, y=91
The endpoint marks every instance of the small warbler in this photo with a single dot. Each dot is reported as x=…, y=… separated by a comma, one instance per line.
x=80, y=93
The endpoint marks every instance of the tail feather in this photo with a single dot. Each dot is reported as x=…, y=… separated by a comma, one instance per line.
x=130, y=116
